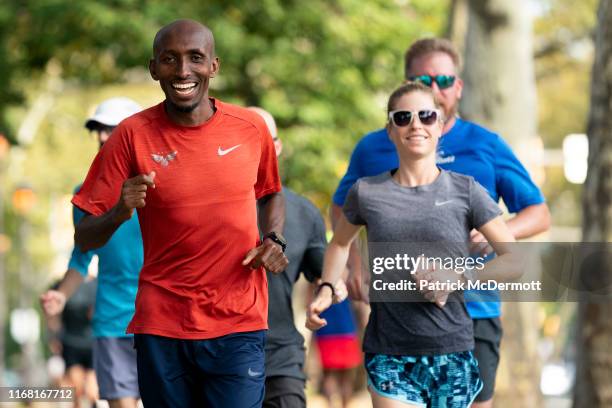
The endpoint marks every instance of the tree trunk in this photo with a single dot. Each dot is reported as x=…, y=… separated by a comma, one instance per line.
x=499, y=76
x=456, y=27
x=594, y=359
x=500, y=93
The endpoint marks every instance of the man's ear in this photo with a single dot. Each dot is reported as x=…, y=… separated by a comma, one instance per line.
x=459, y=87
x=152, y=69
x=215, y=67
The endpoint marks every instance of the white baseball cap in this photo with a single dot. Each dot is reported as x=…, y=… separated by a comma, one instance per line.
x=112, y=111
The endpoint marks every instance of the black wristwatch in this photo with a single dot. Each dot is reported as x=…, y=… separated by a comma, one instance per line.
x=277, y=238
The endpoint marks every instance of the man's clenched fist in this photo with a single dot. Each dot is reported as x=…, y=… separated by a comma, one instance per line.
x=134, y=193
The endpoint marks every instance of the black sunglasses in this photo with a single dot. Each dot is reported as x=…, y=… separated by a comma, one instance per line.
x=443, y=81
x=401, y=118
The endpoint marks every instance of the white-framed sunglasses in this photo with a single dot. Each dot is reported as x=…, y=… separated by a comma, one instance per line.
x=427, y=117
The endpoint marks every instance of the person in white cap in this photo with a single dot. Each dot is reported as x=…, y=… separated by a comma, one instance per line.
x=108, y=114
x=119, y=263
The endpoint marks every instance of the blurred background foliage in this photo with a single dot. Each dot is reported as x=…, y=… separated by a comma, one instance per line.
x=563, y=52
x=321, y=68
x=563, y=37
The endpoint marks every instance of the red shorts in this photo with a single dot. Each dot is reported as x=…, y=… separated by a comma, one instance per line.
x=339, y=352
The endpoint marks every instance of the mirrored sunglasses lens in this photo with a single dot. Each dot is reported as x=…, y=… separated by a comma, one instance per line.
x=402, y=118
x=428, y=117
x=445, y=81
x=424, y=79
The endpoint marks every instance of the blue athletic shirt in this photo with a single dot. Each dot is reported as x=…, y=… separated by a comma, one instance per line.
x=119, y=263
x=468, y=149
x=340, y=320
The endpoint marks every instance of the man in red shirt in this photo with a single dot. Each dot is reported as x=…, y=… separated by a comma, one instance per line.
x=195, y=169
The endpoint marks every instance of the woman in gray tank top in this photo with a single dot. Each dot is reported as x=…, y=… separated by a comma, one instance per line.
x=419, y=338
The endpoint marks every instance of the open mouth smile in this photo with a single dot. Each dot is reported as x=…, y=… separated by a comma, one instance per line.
x=417, y=138
x=184, y=89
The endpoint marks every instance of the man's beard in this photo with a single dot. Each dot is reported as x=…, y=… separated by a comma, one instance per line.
x=452, y=112
x=184, y=109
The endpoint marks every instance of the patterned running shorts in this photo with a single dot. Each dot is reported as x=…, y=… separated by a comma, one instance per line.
x=441, y=381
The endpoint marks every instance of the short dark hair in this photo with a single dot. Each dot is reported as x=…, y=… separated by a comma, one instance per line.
x=426, y=46
x=407, y=88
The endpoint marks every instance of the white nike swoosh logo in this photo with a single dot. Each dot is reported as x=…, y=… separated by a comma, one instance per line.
x=439, y=203
x=254, y=373
x=222, y=152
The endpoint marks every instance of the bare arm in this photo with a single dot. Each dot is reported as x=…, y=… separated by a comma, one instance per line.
x=507, y=266
x=336, y=256
x=95, y=231
x=269, y=254
x=530, y=221
x=272, y=213
x=53, y=301
x=526, y=223
x=356, y=285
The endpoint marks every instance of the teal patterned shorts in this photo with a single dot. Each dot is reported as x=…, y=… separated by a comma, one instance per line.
x=441, y=381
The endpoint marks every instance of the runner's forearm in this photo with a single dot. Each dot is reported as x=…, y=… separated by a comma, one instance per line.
x=530, y=221
x=95, y=231
x=272, y=211
x=504, y=268
x=334, y=263
x=70, y=282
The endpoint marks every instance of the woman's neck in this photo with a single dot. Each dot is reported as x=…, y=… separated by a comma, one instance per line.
x=419, y=172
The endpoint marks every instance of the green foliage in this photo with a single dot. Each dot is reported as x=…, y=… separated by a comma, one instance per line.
x=564, y=53
x=315, y=65
x=564, y=58
x=322, y=68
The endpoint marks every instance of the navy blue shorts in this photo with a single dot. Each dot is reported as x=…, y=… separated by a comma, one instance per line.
x=222, y=372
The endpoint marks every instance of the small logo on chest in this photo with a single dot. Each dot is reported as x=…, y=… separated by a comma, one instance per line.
x=164, y=159
x=439, y=203
x=443, y=158
x=222, y=152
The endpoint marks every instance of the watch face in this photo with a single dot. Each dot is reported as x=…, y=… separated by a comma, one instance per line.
x=278, y=238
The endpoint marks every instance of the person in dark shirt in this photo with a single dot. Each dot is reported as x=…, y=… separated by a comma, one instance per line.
x=285, y=353
x=75, y=341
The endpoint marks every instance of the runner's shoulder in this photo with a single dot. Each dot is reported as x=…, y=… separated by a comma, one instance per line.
x=145, y=117
x=242, y=114
x=479, y=133
x=372, y=181
x=458, y=177
x=374, y=138
x=139, y=124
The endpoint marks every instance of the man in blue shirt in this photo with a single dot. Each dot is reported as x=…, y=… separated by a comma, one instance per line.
x=465, y=148
x=119, y=263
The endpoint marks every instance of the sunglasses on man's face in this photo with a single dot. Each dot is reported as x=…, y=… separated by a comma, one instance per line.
x=443, y=81
x=401, y=118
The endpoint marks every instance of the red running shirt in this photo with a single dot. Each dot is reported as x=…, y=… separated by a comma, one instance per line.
x=199, y=221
